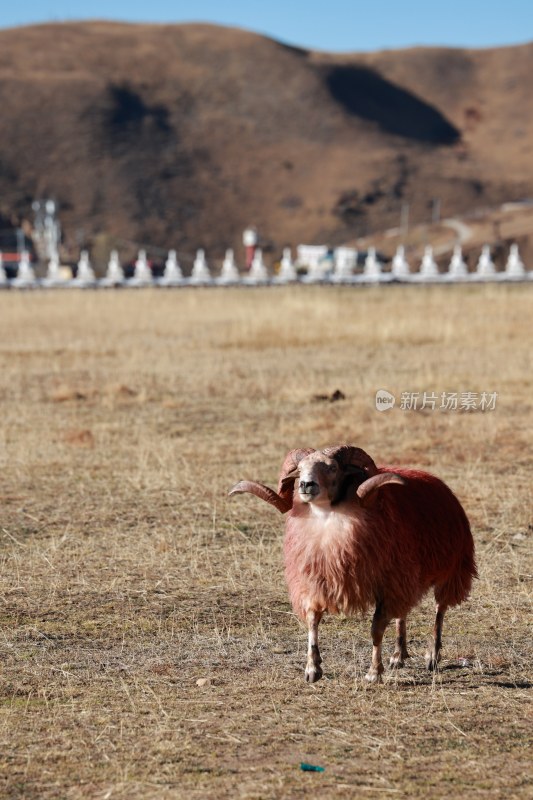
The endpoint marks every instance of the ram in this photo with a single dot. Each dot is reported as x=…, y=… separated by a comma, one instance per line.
x=360, y=536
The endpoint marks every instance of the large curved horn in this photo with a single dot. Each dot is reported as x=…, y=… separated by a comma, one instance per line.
x=289, y=471
x=349, y=456
x=366, y=492
x=263, y=492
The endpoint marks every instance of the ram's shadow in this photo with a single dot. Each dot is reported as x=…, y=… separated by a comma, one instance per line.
x=365, y=93
x=482, y=679
x=513, y=684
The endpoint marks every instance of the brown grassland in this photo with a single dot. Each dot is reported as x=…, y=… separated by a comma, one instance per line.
x=127, y=576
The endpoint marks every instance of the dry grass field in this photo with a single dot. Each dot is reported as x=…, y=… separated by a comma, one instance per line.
x=147, y=646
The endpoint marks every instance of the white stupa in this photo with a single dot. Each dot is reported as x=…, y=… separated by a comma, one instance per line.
x=115, y=274
x=85, y=274
x=53, y=272
x=25, y=275
x=345, y=262
x=229, y=272
x=287, y=270
x=373, y=267
x=258, y=271
x=428, y=267
x=514, y=267
x=142, y=274
x=200, y=270
x=172, y=275
x=485, y=266
x=400, y=265
x=3, y=276
x=458, y=268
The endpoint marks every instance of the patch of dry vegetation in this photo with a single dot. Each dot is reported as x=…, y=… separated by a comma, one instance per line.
x=127, y=576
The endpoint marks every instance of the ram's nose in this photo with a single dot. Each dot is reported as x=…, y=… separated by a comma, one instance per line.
x=308, y=489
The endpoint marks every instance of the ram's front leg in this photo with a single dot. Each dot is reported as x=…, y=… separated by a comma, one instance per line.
x=313, y=670
x=379, y=622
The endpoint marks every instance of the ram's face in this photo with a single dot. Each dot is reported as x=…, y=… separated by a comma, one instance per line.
x=318, y=479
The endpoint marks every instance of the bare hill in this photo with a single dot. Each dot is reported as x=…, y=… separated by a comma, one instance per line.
x=183, y=135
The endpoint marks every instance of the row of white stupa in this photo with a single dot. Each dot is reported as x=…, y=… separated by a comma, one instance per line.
x=342, y=271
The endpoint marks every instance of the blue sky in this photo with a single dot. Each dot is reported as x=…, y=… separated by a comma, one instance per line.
x=345, y=25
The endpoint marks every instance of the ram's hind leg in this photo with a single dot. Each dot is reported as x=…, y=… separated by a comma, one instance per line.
x=433, y=654
x=379, y=623
x=400, y=651
x=313, y=670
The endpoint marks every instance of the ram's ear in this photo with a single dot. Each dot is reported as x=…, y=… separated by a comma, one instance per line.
x=356, y=475
x=286, y=484
x=368, y=491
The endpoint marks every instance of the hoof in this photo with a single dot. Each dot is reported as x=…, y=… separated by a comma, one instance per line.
x=432, y=663
x=313, y=674
x=396, y=661
x=373, y=677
